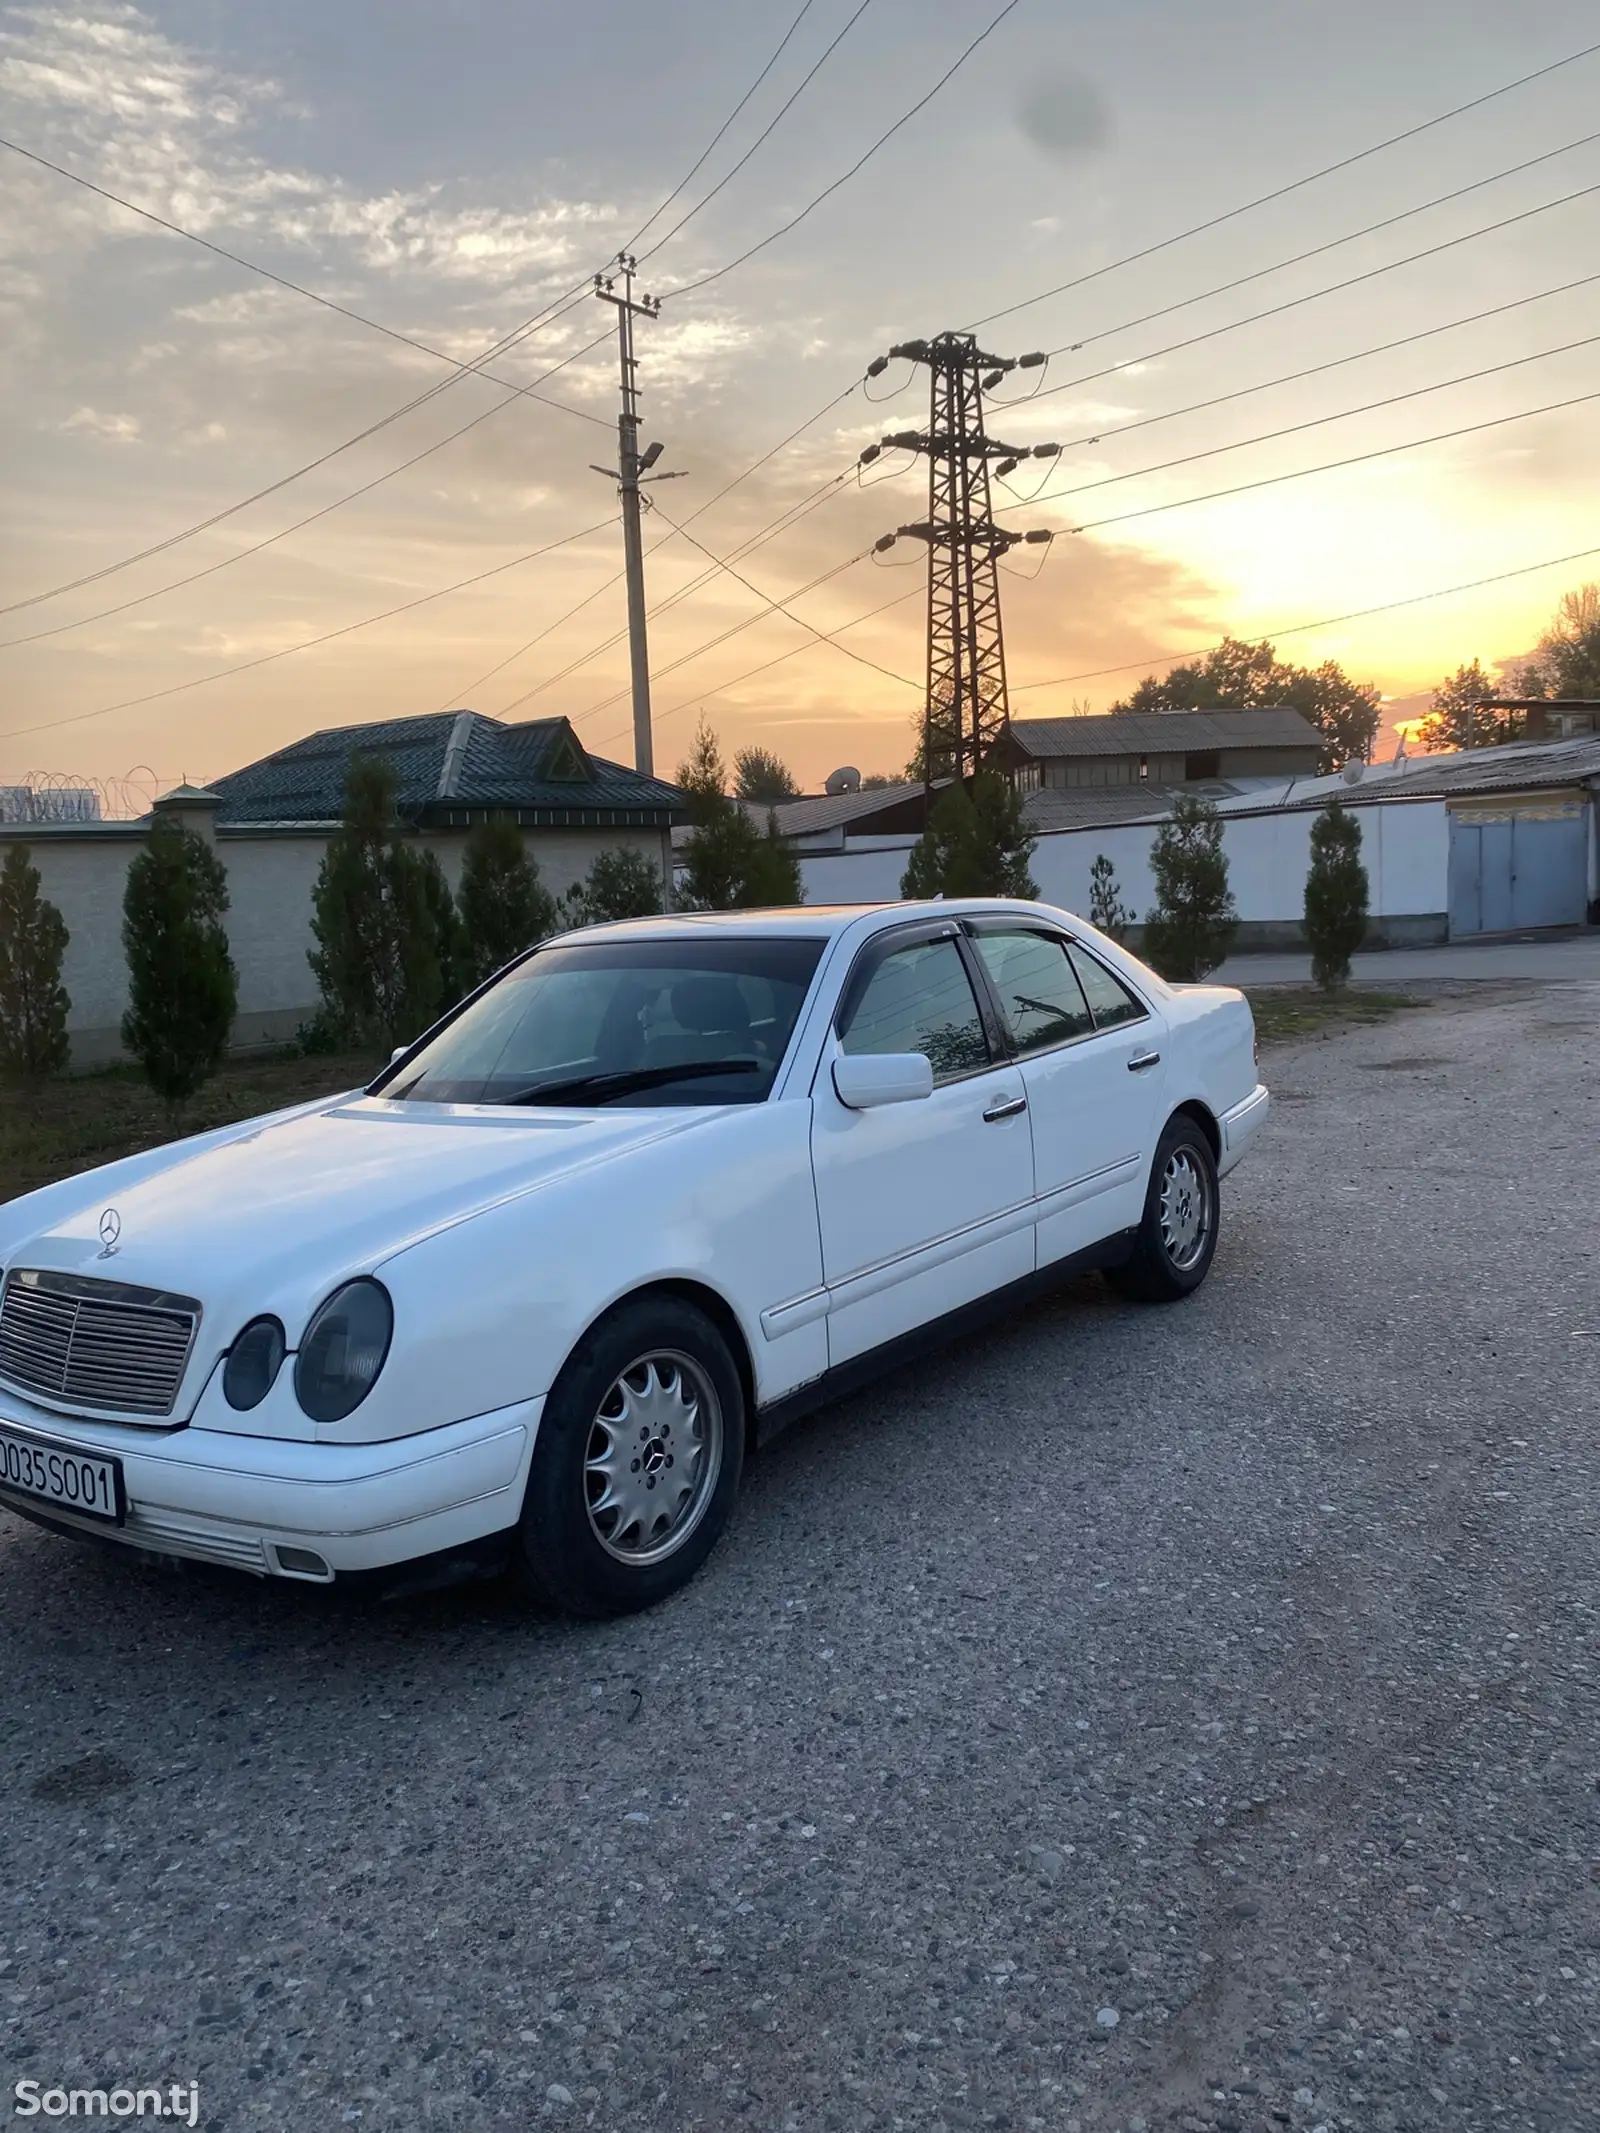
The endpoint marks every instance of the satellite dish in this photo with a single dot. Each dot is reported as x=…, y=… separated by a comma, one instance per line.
x=1354, y=771
x=845, y=779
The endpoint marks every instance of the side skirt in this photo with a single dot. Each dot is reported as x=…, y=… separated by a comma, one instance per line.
x=861, y=1370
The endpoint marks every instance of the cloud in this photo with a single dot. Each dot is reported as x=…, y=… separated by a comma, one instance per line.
x=116, y=429
x=1065, y=116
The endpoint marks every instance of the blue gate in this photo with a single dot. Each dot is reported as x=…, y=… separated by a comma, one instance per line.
x=1514, y=869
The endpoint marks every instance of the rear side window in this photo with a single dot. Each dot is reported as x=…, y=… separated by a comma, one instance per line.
x=1110, y=1001
x=1040, y=996
x=919, y=999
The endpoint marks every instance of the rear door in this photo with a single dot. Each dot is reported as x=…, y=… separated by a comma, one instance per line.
x=1089, y=1050
x=923, y=1206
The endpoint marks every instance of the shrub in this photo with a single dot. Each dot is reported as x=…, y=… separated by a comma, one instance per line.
x=1106, y=908
x=376, y=918
x=33, y=1000
x=504, y=905
x=1189, y=931
x=183, y=989
x=976, y=844
x=1336, y=895
x=621, y=883
x=730, y=865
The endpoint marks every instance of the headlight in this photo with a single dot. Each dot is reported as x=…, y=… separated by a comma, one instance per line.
x=343, y=1351
x=253, y=1364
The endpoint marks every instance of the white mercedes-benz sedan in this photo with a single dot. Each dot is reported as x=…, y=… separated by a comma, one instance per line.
x=528, y=1300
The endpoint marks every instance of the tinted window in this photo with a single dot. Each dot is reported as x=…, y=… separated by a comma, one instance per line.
x=629, y=1022
x=920, y=1000
x=1110, y=1001
x=1042, y=999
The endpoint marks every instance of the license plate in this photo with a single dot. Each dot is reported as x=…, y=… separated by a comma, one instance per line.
x=86, y=1482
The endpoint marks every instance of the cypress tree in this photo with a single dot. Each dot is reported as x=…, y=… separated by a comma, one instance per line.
x=376, y=920
x=1193, y=923
x=1106, y=908
x=33, y=1000
x=504, y=905
x=621, y=883
x=1336, y=895
x=976, y=844
x=183, y=989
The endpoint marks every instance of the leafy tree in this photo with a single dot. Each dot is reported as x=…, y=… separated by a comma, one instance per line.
x=33, y=1000
x=976, y=843
x=1458, y=719
x=729, y=864
x=376, y=919
x=1567, y=662
x=183, y=990
x=1190, y=930
x=1336, y=895
x=621, y=883
x=758, y=774
x=503, y=905
x=1106, y=908
x=1238, y=676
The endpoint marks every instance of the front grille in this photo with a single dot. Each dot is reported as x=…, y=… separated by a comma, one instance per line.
x=100, y=1344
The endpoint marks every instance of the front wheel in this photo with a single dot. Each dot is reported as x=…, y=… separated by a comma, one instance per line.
x=636, y=1464
x=1178, y=1235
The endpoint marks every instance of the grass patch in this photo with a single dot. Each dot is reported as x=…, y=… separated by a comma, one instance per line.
x=82, y=1120
x=1284, y=1012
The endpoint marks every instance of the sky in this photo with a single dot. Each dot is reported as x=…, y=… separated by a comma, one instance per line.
x=451, y=170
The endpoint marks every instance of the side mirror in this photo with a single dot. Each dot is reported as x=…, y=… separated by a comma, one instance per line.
x=864, y=1080
x=399, y=1052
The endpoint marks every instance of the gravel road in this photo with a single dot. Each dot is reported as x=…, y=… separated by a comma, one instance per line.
x=1137, y=1719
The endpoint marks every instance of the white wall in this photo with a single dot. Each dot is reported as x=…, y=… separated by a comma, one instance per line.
x=271, y=876
x=1405, y=845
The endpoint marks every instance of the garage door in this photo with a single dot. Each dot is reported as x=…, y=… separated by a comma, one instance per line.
x=1515, y=869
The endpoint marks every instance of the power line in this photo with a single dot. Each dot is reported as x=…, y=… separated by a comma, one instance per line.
x=1295, y=377
x=296, y=288
x=685, y=702
x=552, y=312
x=1294, y=429
x=694, y=170
x=200, y=681
x=1327, y=622
x=1294, y=303
x=765, y=133
x=1271, y=481
x=1335, y=244
x=270, y=540
x=1282, y=192
x=705, y=280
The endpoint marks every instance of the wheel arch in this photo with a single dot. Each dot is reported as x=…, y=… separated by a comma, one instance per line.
x=722, y=1315
x=1207, y=1122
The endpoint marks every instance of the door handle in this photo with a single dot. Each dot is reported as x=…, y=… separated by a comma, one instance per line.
x=1142, y=1061
x=1005, y=1107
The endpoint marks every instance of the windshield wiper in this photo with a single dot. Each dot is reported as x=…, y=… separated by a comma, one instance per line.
x=602, y=1087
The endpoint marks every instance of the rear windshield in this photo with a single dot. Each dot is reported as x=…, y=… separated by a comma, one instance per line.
x=630, y=1023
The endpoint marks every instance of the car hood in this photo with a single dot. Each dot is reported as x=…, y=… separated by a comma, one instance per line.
x=270, y=1217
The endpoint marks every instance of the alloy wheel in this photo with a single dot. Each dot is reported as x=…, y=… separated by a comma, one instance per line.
x=653, y=1457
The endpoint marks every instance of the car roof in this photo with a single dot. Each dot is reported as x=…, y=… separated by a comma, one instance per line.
x=811, y=921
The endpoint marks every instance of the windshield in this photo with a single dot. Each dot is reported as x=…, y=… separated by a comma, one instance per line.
x=624, y=1022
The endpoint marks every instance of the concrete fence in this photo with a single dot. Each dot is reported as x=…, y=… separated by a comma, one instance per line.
x=83, y=870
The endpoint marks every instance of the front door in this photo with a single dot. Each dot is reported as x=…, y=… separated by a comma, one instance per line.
x=1090, y=1054
x=923, y=1206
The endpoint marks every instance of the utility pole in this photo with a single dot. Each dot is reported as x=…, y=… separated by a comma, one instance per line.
x=630, y=465
x=966, y=714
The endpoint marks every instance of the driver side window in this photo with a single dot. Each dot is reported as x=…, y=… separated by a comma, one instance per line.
x=919, y=999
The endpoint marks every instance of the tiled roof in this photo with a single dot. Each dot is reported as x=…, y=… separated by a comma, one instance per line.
x=1163, y=732
x=448, y=766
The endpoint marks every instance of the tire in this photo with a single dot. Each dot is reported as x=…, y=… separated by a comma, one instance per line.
x=1177, y=1237
x=636, y=1464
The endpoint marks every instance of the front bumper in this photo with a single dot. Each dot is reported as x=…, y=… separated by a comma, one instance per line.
x=1241, y=1125
x=241, y=1501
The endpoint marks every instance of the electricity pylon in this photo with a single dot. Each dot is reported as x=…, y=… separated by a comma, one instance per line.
x=966, y=713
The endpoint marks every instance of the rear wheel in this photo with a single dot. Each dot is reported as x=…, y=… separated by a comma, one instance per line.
x=636, y=1464
x=1178, y=1234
